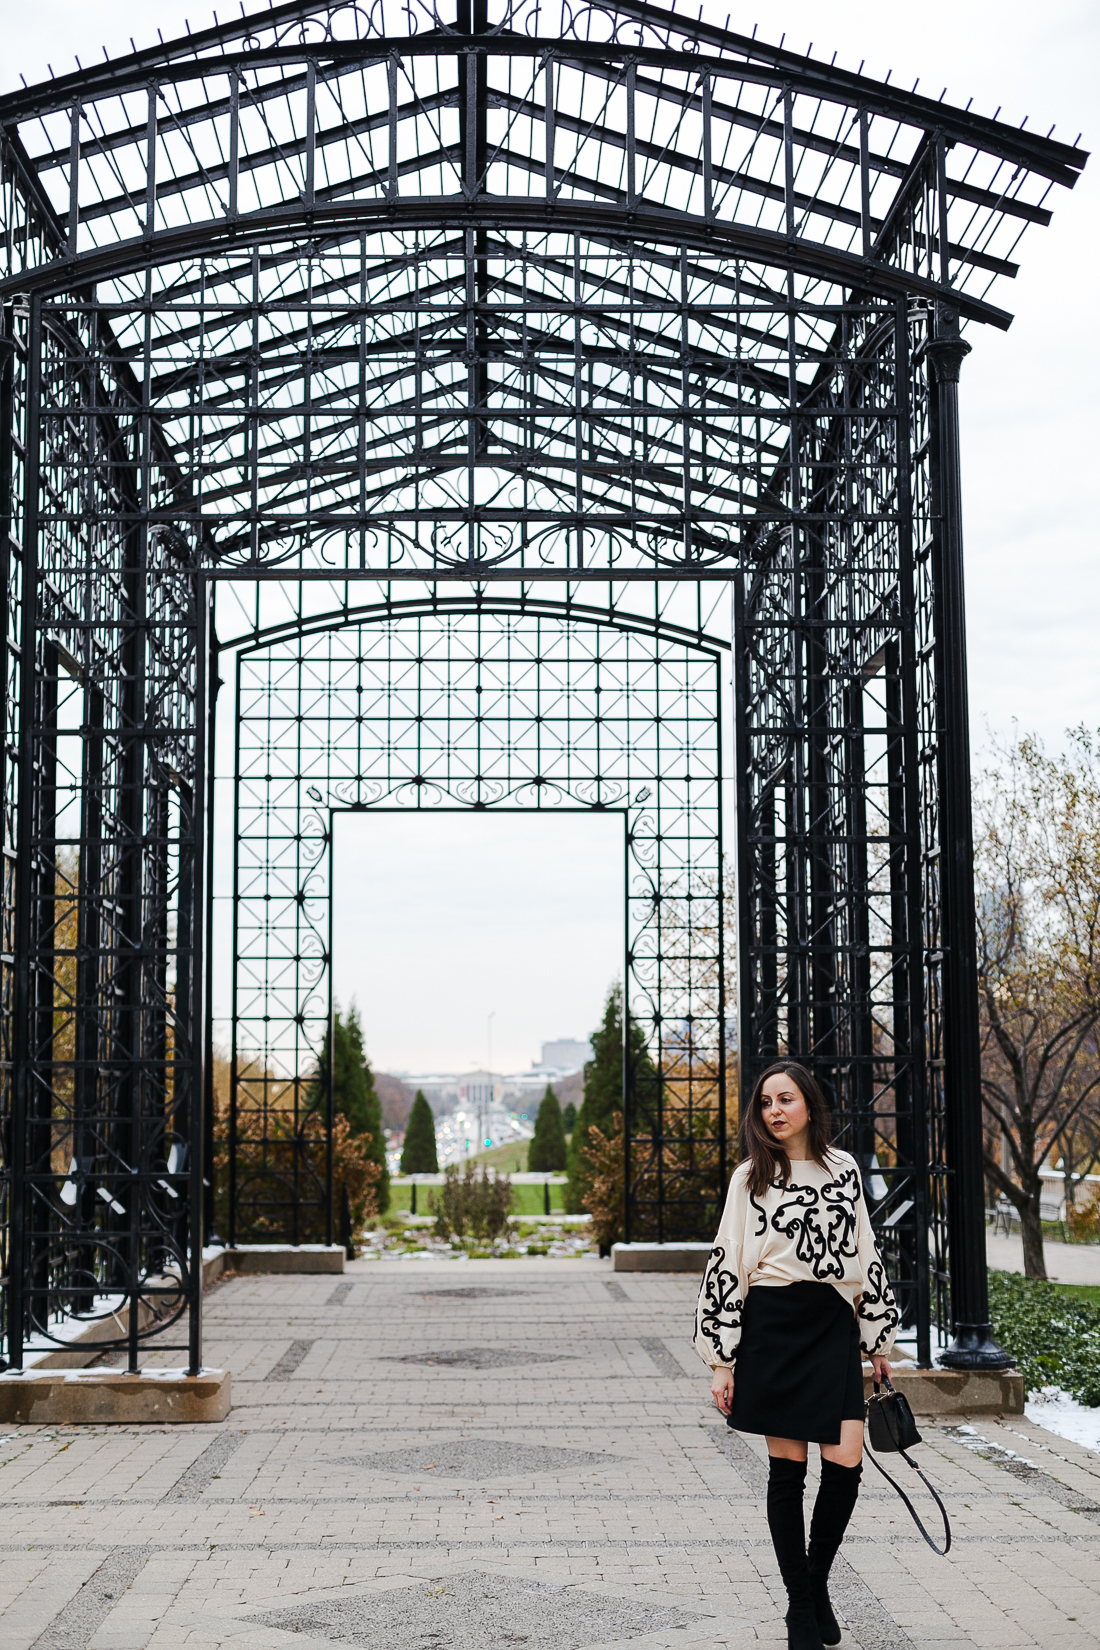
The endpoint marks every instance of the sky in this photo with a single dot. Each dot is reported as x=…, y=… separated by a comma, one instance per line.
x=518, y=918
x=444, y=921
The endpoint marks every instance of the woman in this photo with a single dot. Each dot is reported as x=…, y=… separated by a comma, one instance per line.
x=794, y=1288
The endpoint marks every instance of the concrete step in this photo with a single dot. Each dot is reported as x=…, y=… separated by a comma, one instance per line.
x=659, y=1257
x=110, y=1396
x=273, y=1257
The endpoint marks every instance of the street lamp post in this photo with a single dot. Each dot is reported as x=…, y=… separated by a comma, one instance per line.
x=489, y=1074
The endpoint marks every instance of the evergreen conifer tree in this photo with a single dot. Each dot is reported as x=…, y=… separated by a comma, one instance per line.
x=569, y=1118
x=546, y=1152
x=603, y=1090
x=419, y=1155
x=353, y=1093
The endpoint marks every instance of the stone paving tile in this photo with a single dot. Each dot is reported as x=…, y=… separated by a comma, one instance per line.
x=604, y=1477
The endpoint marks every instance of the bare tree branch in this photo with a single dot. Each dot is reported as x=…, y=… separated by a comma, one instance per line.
x=1037, y=877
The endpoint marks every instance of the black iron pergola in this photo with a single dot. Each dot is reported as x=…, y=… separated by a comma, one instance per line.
x=468, y=360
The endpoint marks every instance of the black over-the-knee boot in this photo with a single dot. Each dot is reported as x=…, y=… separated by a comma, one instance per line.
x=786, y=1484
x=836, y=1497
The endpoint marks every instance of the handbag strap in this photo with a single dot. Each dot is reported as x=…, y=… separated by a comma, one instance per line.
x=909, y=1462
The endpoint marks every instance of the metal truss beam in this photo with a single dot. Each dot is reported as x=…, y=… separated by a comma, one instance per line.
x=629, y=227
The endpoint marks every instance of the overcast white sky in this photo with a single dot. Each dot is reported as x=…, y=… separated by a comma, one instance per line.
x=446, y=920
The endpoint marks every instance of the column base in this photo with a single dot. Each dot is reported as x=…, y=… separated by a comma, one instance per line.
x=974, y=1348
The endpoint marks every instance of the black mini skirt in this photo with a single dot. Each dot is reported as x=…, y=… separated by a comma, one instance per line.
x=799, y=1370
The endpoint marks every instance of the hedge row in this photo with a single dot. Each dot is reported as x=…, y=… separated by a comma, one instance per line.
x=1053, y=1336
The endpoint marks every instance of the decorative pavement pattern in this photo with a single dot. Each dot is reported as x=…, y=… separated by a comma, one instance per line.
x=540, y=1468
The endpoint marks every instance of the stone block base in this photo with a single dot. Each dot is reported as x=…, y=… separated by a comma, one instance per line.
x=940, y=1392
x=213, y=1265
x=52, y=1398
x=659, y=1257
x=284, y=1257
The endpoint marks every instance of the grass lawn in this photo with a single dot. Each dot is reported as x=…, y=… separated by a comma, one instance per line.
x=1057, y=1231
x=1089, y=1292
x=527, y=1200
x=509, y=1159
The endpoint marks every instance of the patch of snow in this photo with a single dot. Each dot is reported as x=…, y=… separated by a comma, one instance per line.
x=1058, y=1412
x=971, y=1438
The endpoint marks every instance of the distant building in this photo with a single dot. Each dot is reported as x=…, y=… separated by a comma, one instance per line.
x=567, y=1054
x=478, y=1093
x=441, y=1089
x=480, y=1089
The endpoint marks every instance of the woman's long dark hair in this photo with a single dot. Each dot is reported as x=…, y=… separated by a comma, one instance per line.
x=769, y=1162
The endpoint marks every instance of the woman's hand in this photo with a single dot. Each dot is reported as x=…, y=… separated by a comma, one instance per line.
x=881, y=1369
x=722, y=1390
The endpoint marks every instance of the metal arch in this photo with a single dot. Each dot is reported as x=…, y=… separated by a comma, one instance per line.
x=631, y=225
x=574, y=712
x=576, y=612
x=854, y=827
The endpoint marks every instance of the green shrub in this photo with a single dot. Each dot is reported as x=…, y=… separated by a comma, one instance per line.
x=471, y=1205
x=1053, y=1336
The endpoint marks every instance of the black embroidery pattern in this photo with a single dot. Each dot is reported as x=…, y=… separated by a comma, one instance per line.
x=721, y=1306
x=761, y=1215
x=824, y=1223
x=876, y=1294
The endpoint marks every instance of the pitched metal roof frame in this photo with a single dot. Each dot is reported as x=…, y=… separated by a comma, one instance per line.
x=688, y=77
x=755, y=61
x=104, y=143
x=644, y=141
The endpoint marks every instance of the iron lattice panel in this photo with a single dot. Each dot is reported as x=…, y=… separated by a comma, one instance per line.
x=107, y=869
x=836, y=687
x=487, y=711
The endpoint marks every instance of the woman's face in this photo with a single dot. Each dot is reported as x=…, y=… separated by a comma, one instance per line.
x=785, y=1113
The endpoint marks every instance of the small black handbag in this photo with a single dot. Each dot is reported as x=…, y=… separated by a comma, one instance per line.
x=891, y=1430
x=890, y=1424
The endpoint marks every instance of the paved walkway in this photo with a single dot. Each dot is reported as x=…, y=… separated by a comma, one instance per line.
x=1066, y=1262
x=494, y=1454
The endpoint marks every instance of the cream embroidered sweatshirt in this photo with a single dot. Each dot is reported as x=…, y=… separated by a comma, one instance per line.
x=814, y=1230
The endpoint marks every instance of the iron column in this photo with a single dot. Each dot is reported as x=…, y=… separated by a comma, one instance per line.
x=973, y=1346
